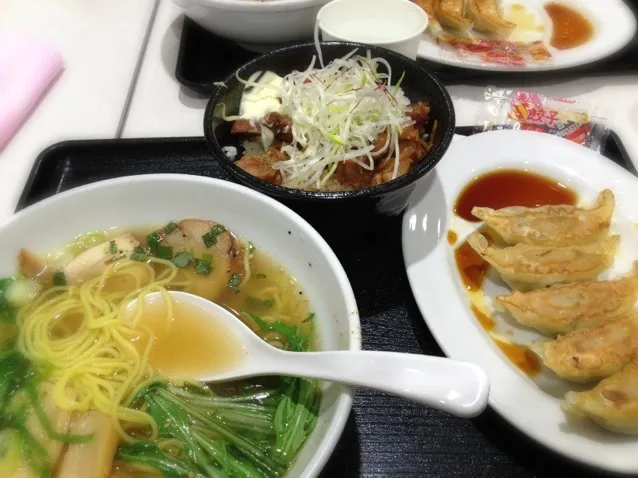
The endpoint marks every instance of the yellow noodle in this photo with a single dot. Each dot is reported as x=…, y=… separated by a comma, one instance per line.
x=84, y=334
x=274, y=294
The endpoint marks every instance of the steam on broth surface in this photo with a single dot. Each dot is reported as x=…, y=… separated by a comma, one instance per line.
x=88, y=388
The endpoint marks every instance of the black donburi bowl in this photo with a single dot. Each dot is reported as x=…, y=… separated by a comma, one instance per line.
x=344, y=212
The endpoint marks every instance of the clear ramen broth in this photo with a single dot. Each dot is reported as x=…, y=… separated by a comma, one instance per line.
x=190, y=343
x=112, y=392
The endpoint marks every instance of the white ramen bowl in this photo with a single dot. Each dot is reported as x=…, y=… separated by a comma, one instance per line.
x=397, y=25
x=258, y=25
x=275, y=229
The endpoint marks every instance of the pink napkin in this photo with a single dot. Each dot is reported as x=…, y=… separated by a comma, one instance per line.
x=27, y=67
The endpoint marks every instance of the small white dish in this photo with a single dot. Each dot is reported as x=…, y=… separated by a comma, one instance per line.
x=281, y=233
x=614, y=27
x=533, y=406
x=397, y=25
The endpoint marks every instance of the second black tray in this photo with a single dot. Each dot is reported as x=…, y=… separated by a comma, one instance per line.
x=385, y=435
x=205, y=58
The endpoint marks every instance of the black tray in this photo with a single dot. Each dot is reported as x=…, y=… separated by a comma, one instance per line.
x=205, y=58
x=385, y=436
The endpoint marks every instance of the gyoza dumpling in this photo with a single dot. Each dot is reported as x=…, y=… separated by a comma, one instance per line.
x=451, y=13
x=613, y=403
x=594, y=353
x=487, y=17
x=527, y=267
x=551, y=225
x=434, y=27
x=568, y=307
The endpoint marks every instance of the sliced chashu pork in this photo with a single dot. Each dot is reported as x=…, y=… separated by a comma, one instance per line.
x=227, y=255
x=92, y=262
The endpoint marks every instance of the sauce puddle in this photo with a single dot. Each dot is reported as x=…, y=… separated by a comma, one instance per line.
x=570, y=27
x=486, y=322
x=520, y=356
x=505, y=188
x=471, y=266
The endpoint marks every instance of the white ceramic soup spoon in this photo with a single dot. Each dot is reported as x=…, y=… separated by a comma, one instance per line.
x=456, y=387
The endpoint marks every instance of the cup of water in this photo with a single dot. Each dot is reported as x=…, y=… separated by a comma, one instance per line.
x=393, y=24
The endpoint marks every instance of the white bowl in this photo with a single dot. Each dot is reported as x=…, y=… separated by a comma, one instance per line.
x=289, y=239
x=258, y=25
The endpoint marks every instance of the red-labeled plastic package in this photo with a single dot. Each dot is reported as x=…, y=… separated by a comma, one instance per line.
x=576, y=121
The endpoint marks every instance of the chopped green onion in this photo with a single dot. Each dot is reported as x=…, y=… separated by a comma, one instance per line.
x=234, y=282
x=309, y=318
x=112, y=247
x=59, y=278
x=202, y=267
x=170, y=227
x=182, y=259
x=255, y=302
x=164, y=252
x=218, y=229
x=210, y=238
x=153, y=240
x=251, y=248
x=139, y=254
x=260, y=276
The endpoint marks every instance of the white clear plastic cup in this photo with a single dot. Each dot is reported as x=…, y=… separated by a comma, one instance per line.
x=393, y=24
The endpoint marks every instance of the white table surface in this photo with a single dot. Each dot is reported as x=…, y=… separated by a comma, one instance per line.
x=101, y=42
x=160, y=106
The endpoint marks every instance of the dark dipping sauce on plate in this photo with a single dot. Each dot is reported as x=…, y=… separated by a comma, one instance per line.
x=570, y=27
x=511, y=187
x=471, y=266
x=486, y=322
x=520, y=356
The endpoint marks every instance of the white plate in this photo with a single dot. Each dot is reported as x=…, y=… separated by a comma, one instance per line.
x=614, y=26
x=445, y=305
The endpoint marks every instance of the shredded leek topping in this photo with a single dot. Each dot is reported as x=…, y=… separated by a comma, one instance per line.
x=337, y=114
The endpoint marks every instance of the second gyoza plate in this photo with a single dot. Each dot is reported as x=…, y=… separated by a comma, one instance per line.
x=532, y=404
x=614, y=26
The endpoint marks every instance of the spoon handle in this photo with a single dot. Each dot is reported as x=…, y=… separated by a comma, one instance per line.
x=456, y=387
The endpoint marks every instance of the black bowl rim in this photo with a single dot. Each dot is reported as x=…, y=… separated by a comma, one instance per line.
x=290, y=193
